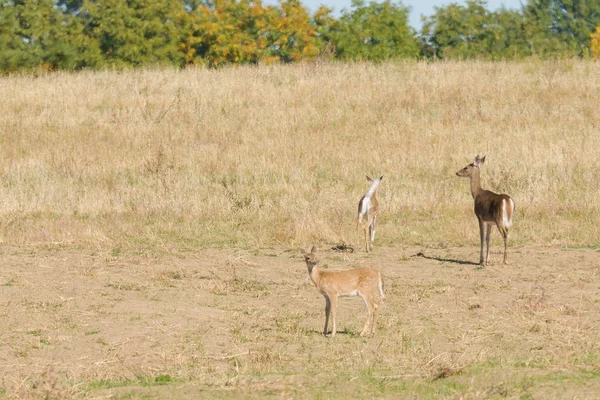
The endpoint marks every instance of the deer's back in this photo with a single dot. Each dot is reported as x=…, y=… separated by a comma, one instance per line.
x=349, y=282
x=488, y=205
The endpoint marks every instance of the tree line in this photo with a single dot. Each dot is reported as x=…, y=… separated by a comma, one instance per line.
x=79, y=34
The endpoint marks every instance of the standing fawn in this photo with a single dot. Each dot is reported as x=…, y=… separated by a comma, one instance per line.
x=363, y=282
x=368, y=206
x=490, y=208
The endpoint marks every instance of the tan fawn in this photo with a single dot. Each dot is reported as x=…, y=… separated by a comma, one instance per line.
x=368, y=207
x=363, y=282
x=490, y=208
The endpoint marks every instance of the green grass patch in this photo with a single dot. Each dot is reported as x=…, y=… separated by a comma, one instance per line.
x=144, y=381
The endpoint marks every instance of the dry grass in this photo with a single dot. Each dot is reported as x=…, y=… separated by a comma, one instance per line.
x=178, y=160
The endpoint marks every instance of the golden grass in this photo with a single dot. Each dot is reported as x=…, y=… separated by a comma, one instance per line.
x=261, y=156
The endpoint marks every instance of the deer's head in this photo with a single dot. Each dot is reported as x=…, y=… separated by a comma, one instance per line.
x=310, y=258
x=467, y=171
x=373, y=180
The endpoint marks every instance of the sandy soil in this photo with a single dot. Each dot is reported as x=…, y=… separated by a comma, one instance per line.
x=229, y=322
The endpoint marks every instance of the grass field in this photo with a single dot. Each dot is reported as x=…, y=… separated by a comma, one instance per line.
x=150, y=226
x=246, y=157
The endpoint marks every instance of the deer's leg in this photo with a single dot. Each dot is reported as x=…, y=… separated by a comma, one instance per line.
x=368, y=301
x=327, y=311
x=488, y=231
x=333, y=302
x=370, y=231
x=366, y=229
x=373, y=228
x=481, y=237
x=374, y=318
x=505, y=236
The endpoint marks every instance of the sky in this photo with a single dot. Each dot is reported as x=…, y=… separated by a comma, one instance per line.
x=417, y=7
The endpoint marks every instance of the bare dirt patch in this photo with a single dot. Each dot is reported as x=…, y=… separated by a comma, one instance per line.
x=229, y=322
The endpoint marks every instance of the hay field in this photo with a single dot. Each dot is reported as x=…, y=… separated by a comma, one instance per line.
x=150, y=226
x=181, y=160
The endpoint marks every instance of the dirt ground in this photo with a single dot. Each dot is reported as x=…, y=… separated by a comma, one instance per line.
x=229, y=323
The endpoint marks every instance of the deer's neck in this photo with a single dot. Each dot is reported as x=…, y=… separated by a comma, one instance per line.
x=313, y=272
x=475, y=183
x=372, y=192
x=374, y=196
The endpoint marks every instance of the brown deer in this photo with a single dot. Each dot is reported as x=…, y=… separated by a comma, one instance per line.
x=490, y=208
x=363, y=282
x=368, y=206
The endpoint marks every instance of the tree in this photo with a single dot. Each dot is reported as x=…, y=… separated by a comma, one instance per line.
x=134, y=32
x=246, y=32
x=376, y=32
x=292, y=37
x=457, y=31
x=227, y=32
x=507, y=39
x=37, y=34
x=595, y=43
x=325, y=24
x=561, y=27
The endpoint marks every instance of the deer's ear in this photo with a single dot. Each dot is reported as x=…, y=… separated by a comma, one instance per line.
x=313, y=250
x=369, y=178
x=381, y=177
x=482, y=160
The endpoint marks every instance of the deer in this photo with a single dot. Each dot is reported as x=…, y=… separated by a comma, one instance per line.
x=490, y=209
x=368, y=207
x=363, y=282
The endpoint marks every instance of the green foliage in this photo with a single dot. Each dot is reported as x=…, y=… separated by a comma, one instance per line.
x=76, y=34
x=376, y=32
x=134, y=33
x=508, y=38
x=561, y=27
x=459, y=31
x=545, y=28
x=472, y=31
x=36, y=34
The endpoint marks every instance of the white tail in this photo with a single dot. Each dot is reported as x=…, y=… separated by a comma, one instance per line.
x=490, y=208
x=363, y=282
x=368, y=206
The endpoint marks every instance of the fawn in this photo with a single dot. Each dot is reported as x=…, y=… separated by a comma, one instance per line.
x=368, y=206
x=363, y=282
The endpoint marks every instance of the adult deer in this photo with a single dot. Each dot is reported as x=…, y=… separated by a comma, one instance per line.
x=363, y=282
x=490, y=208
x=368, y=207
